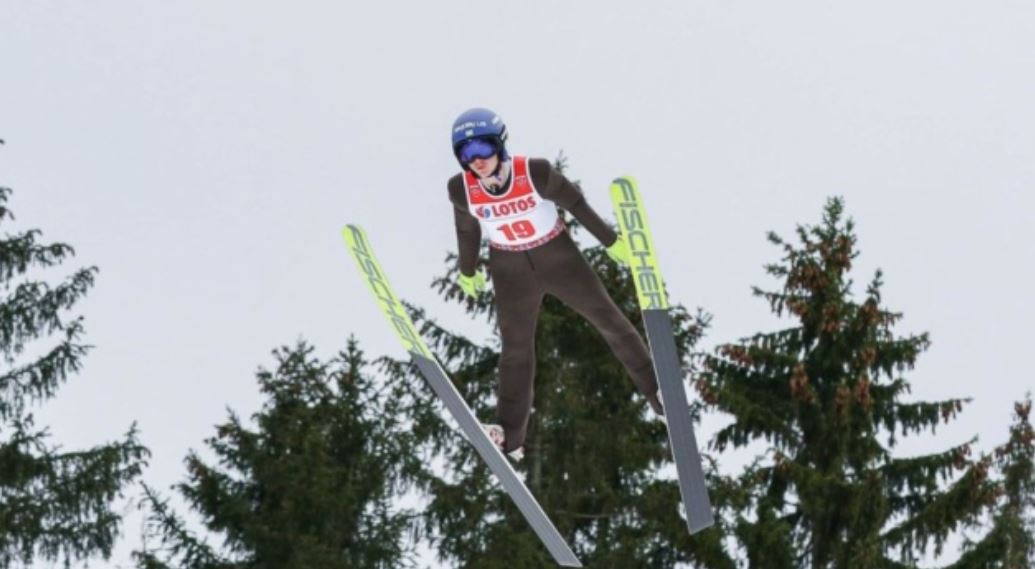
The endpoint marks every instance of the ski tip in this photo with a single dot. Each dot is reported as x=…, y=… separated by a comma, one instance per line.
x=623, y=187
x=351, y=230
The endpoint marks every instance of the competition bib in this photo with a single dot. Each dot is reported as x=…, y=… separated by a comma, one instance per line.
x=520, y=218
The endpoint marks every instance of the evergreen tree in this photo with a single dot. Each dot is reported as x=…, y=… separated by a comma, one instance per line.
x=54, y=505
x=1010, y=543
x=592, y=454
x=828, y=398
x=312, y=486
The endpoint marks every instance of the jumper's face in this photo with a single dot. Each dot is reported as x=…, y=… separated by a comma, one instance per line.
x=484, y=167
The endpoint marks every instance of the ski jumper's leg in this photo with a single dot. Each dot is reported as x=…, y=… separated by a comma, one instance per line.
x=518, y=298
x=566, y=275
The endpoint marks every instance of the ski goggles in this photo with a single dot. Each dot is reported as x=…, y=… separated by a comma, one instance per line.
x=476, y=148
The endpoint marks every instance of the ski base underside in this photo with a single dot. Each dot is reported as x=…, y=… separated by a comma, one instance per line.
x=435, y=376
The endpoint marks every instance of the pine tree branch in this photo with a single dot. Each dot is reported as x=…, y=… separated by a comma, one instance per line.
x=914, y=418
x=39, y=380
x=175, y=541
x=924, y=474
x=934, y=516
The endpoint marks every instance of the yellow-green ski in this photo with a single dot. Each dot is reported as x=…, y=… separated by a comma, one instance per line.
x=632, y=221
x=454, y=403
x=375, y=278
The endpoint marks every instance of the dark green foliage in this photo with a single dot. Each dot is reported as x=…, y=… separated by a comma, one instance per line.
x=1010, y=543
x=310, y=486
x=827, y=397
x=313, y=485
x=53, y=505
x=593, y=450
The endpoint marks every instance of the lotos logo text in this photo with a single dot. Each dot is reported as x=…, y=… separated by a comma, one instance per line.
x=508, y=208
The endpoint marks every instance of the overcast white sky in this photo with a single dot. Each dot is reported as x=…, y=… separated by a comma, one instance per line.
x=206, y=154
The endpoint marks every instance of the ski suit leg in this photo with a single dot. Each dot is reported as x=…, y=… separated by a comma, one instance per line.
x=568, y=276
x=518, y=299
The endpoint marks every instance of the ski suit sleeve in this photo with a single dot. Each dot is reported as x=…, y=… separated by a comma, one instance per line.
x=468, y=230
x=553, y=186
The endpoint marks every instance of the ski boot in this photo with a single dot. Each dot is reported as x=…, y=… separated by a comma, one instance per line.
x=495, y=433
x=657, y=403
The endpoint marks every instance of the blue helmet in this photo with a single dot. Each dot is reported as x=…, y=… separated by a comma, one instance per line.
x=479, y=123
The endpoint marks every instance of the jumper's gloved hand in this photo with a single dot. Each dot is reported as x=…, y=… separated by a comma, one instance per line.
x=472, y=285
x=619, y=251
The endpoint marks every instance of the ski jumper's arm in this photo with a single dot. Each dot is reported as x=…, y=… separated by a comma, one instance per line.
x=468, y=230
x=553, y=186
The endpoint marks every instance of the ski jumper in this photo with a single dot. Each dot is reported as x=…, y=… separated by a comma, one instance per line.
x=531, y=254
